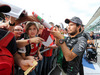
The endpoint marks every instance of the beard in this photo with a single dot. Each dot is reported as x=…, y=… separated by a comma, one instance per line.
x=73, y=33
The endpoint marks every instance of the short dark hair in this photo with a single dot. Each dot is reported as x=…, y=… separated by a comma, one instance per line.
x=51, y=23
x=83, y=25
x=66, y=29
x=92, y=32
x=77, y=24
x=57, y=26
x=80, y=27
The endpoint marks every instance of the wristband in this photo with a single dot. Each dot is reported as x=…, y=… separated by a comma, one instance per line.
x=11, y=24
x=28, y=41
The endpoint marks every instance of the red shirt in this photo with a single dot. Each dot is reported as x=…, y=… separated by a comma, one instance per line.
x=34, y=48
x=49, y=52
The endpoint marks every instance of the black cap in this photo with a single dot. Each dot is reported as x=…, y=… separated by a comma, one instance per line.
x=76, y=20
x=2, y=17
x=4, y=8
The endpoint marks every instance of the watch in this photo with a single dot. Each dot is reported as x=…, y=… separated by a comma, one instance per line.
x=61, y=41
x=28, y=41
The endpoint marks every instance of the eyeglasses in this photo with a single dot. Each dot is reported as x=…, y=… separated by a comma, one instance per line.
x=18, y=30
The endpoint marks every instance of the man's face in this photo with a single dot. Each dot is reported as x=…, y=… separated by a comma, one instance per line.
x=72, y=28
x=18, y=30
x=91, y=33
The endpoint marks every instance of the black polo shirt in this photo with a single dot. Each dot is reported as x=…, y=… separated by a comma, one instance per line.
x=77, y=45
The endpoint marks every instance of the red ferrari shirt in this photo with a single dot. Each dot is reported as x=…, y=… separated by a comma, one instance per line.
x=34, y=48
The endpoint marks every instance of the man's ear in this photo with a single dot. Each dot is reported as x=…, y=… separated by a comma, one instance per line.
x=79, y=28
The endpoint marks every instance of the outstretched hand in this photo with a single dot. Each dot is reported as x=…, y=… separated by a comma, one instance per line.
x=36, y=40
x=25, y=64
x=26, y=18
x=56, y=33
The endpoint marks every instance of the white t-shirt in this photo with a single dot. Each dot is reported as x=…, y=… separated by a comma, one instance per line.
x=23, y=49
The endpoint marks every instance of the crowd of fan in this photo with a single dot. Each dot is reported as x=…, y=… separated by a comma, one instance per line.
x=27, y=32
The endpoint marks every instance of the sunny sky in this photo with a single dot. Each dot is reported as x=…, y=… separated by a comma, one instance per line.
x=58, y=10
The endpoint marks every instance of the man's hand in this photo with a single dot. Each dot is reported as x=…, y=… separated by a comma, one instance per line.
x=4, y=26
x=53, y=46
x=25, y=64
x=36, y=40
x=12, y=20
x=90, y=41
x=56, y=33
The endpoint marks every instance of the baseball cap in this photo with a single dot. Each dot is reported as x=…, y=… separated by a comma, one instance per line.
x=76, y=20
x=2, y=17
x=5, y=8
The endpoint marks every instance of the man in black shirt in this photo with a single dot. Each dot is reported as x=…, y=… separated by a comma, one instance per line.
x=72, y=47
x=92, y=35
